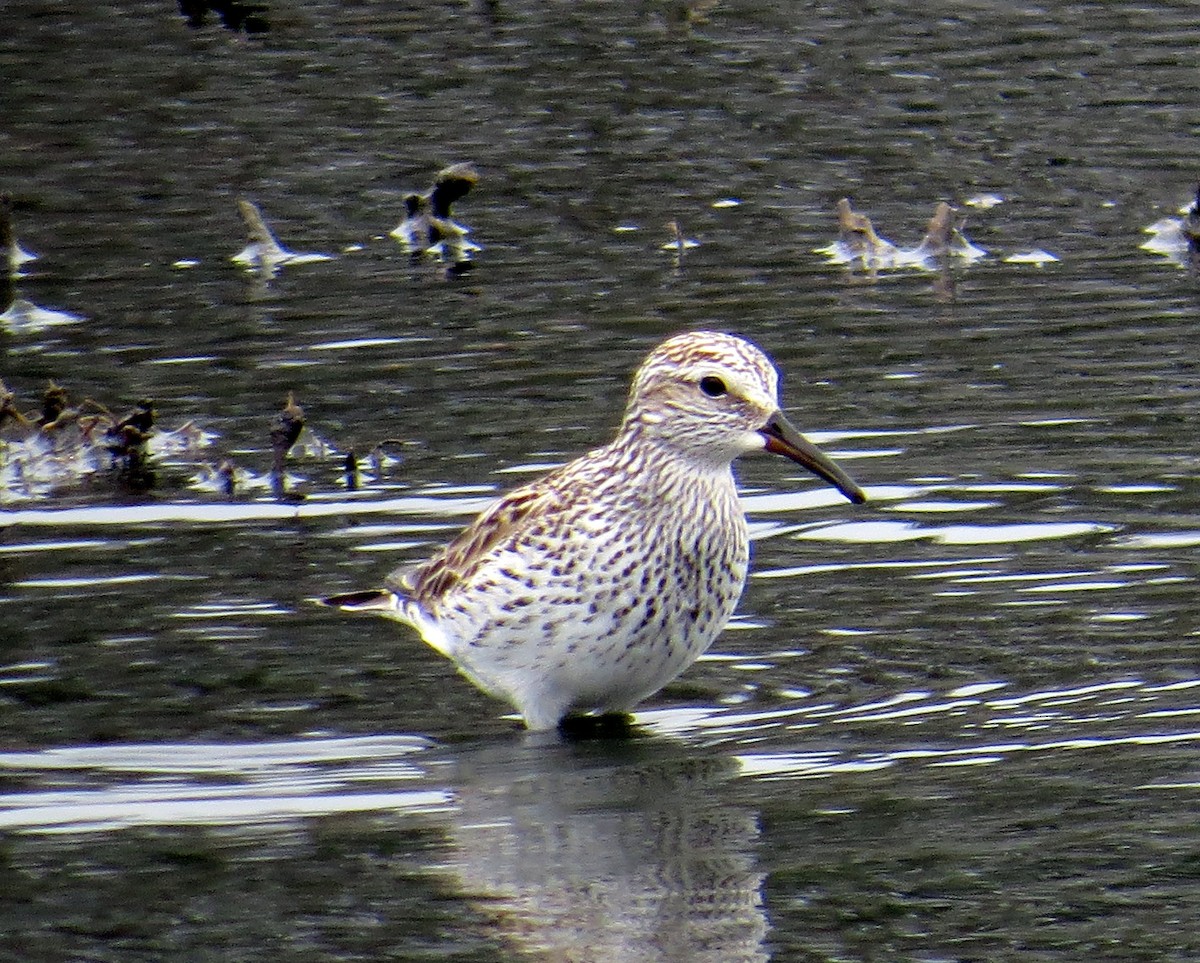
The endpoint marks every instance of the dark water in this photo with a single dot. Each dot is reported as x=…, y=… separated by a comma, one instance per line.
x=958, y=723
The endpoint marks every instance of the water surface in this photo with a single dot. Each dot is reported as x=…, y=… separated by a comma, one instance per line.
x=956, y=723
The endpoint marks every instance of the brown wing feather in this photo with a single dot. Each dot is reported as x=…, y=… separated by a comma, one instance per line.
x=452, y=183
x=458, y=560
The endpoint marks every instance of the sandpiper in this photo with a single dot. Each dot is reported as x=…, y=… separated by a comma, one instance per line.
x=14, y=254
x=427, y=227
x=262, y=251
x=589, y=589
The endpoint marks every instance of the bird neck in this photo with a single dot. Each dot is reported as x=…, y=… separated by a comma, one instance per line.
x=653, y=448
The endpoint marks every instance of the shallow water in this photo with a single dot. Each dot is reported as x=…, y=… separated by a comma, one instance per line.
x=957, y=723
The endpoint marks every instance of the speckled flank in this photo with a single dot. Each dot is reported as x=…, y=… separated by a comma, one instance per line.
x=594, y=586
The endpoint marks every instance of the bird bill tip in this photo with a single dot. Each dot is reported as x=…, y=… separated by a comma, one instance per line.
x=780, y=438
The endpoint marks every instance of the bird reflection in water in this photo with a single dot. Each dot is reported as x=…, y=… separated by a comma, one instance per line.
x=606, y=851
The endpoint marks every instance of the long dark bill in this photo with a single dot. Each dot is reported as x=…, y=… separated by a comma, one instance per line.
x=783, y=439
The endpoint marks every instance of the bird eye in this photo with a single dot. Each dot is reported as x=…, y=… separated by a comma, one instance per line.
x=712, y=386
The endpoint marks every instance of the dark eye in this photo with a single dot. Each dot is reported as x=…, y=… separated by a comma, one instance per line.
x=712, y=386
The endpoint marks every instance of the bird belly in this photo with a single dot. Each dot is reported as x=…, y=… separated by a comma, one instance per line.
x=601, y=631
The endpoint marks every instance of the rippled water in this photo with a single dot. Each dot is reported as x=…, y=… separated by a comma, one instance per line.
x=956, y=723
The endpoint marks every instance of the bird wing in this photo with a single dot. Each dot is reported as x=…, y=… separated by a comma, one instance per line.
x=258, y=232
x=452, y=183
x=463, y=556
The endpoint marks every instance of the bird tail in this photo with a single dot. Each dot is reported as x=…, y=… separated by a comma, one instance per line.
x=395, y=605
x=371, y=600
